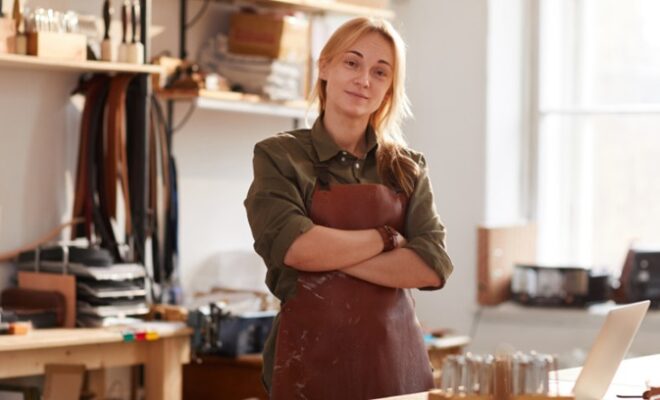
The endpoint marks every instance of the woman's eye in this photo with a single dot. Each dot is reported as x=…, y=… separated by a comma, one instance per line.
x=381, y=73
x=351, y=63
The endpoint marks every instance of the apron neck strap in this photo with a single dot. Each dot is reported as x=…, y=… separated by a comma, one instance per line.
x=322, y=175
x=321, y=169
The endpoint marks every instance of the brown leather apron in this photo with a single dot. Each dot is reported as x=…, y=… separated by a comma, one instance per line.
x=343, y=338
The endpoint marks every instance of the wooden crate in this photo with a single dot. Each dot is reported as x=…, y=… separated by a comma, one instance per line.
x=56, y=45
x=7, y=35
x=368, y=3
x=498, y=250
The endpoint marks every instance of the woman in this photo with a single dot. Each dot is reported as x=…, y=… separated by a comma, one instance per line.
x=343, y=216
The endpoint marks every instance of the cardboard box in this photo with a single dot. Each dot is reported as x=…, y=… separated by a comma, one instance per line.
x=56, y=45
x=368, y=3
x=7, y=35
x=498, y=250
x=279, y=37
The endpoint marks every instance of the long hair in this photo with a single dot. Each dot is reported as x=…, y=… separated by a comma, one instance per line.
x=394, y=167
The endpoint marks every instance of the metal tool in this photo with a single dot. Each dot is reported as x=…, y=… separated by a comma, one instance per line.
x=518, y=374
x=135, y=21
x=20, y=46
x=107, y=17
x=108, y=52
x=135, y=48
x=123, y=46
x=15, y=13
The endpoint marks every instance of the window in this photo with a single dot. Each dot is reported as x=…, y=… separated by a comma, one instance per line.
x=598, y=127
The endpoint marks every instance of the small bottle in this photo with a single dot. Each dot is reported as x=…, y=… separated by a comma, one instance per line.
x=20, y=45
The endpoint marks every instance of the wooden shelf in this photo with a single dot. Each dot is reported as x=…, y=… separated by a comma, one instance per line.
x=32, y=62
x=615, y=109
x=326, y=6
x=240, y=102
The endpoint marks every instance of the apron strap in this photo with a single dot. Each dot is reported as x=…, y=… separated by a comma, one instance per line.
x=322, y=175
x=321, y=169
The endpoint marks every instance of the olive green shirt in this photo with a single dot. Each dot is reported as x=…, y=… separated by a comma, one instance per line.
x=280, y=196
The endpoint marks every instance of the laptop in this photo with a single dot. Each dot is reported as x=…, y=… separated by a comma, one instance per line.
x=609, y=349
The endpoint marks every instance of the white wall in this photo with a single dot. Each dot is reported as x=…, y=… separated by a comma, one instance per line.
x=447, y=86
x=214, y=156
x=38, y=150
x=504, y=136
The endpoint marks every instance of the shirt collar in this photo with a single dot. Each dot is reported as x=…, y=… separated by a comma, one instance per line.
x=325, y=146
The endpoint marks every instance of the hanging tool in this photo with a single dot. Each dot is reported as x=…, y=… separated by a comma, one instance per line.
x=136, y=48
x=108, y=52
x=123, y=46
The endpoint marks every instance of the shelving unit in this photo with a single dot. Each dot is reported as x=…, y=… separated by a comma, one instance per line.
x=324, y=6
x=139, y=91
x=32, y=62
x=240, y=102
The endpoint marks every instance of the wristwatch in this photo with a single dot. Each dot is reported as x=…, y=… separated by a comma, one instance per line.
x=389, y=236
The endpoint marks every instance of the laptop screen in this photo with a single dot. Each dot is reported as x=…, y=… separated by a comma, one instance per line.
x=609, y=348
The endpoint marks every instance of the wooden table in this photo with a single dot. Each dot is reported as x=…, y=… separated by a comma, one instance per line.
x=100, y=348
x=630, y=379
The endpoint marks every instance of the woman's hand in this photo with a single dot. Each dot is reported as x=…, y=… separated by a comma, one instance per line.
x=399, y=268
x=400, y=240
x=326, y=249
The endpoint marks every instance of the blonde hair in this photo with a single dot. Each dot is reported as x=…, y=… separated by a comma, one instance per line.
x=394, y=166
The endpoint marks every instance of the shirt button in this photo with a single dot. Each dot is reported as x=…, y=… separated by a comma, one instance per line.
x=357, y=165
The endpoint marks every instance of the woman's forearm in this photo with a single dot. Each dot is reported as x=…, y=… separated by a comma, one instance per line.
x=399, y=268
x=326, y=249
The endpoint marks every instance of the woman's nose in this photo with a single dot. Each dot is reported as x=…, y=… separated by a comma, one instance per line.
x=362, y=80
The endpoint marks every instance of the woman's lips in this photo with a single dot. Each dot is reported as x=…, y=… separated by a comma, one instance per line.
x=360, y=96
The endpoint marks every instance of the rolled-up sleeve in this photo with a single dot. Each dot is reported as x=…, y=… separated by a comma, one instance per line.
x=275, y=206
x=425, y=232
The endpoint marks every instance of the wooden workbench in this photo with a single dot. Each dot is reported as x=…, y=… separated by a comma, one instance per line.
x=100, y=348
x=631, y=379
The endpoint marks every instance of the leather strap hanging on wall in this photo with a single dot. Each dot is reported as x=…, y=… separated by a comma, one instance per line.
x=118, y=153
x=158, y=189
x=102, y=160
x=137, y=153
x=95, y=91
x=116, y=163
x=165, y=213
x=172, y=228
x=96, y=177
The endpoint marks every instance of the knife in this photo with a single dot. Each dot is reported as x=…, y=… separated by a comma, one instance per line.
x=107, y=16
x=16, y=14
x=124, y=21
x=135, y=20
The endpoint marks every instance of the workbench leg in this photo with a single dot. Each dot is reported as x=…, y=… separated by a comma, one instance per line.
x=96, y=383
x=163, y=370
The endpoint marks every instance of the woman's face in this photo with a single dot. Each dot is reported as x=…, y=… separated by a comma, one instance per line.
x=359, y=78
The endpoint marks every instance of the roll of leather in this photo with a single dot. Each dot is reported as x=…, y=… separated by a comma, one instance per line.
x=42, y=307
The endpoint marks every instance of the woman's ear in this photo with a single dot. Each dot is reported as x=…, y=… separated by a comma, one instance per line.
x=323, y=70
